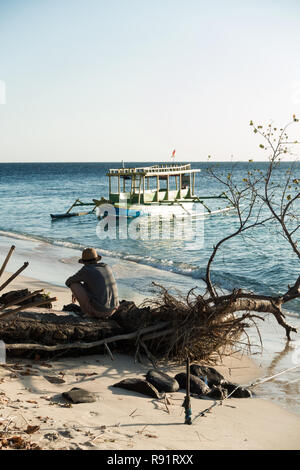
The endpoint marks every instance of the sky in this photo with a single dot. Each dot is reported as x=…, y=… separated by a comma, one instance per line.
x=112, y=80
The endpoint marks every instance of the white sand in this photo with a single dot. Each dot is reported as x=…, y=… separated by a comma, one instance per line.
x=121, y=419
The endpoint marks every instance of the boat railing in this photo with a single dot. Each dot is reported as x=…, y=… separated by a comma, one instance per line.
x=173, y=168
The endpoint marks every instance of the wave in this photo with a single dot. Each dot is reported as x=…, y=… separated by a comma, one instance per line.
x=224, y=279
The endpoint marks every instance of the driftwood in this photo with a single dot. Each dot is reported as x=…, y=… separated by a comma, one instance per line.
x=17, y=300
x=7, y=259
x=84, y=345
x=25, y=307
x=9, y=280
x=29, y=333
x=204, y=327
x=168, y=327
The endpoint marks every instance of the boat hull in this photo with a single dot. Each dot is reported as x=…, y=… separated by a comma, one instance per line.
x=184, y=209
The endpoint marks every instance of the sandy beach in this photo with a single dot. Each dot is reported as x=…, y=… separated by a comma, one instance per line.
x=161, y=138
x=126, y=420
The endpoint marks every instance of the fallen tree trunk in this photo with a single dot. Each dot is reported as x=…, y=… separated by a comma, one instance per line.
x=31, y=333
x=84, y=345
x=168, y=327
x=254, y=303
x=51, y=328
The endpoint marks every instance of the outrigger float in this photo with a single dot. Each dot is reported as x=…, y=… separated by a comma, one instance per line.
x=164, y=190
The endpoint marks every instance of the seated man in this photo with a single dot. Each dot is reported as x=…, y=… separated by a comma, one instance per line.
x=94, y=286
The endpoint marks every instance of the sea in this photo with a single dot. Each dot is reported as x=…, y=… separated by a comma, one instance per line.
x=261, y=261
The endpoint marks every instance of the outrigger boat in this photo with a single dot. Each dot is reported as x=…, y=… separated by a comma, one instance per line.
x=164, y=190
x=73, y=214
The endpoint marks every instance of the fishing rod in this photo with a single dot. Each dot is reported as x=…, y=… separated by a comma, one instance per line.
x=266, y=379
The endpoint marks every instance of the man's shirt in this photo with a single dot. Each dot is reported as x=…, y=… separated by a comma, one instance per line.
x=99, y=281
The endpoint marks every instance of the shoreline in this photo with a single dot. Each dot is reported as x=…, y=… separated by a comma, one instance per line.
x=54, y=263
x=120, y=419
x=50, y=264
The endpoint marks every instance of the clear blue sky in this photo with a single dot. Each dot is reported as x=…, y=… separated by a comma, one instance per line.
x=106, y=80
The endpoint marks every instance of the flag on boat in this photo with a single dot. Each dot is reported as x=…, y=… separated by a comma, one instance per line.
x=173, y=153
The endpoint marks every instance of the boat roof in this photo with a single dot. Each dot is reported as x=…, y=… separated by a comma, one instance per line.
x=154, y=170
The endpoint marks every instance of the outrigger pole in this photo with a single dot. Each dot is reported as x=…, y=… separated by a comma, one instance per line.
x=75, y=214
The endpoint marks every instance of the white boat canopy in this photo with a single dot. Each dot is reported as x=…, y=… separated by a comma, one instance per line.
x=182, y=177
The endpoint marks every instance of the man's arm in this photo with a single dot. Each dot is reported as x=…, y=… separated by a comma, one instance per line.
x=78, y=277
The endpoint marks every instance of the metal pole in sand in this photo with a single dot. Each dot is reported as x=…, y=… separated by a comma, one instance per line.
x=187, y=400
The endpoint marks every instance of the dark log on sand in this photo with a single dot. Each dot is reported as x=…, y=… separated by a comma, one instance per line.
x=50, y=334
x=167, y=328
x=53, y=330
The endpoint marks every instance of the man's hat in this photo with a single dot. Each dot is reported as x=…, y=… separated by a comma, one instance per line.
x=89, y=255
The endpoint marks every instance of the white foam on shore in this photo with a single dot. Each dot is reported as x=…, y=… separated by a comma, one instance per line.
x=54, y=264
x=163, y=264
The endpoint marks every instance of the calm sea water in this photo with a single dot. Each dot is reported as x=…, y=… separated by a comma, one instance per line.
x=263, y=263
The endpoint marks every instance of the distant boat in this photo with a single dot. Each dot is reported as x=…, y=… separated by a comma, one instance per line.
x=172, y=194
